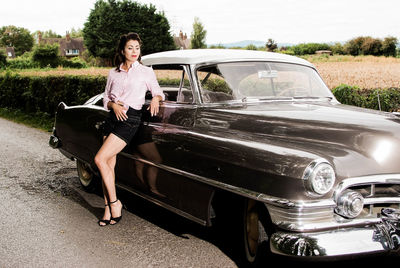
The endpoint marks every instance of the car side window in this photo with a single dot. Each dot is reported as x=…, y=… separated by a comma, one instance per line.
x=213, y=87
x=174, y=82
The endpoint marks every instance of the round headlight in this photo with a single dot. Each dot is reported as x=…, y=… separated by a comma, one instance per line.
x=319, y=177
x=350, y=204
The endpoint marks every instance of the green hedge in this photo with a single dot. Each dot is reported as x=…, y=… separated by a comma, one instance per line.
x=42, y=94
x=32, y=94
x=379, y=99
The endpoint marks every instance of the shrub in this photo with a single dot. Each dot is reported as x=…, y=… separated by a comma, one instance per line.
x=22, y=63
x=46, y=55
x=75, y=62
x=251, y=47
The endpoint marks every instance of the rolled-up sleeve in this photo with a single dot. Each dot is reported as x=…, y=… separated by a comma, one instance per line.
x=113, y=89
x=153, y=86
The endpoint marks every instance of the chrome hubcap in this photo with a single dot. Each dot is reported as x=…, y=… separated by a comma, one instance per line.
x=85, y=174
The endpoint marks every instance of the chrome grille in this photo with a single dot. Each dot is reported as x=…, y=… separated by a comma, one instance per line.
x=378, y=190
x=377, y=196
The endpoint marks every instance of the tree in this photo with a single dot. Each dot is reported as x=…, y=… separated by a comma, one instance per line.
x=19, y=38
x=50, y=34
x=111, y=19
x=389, y=46
x=271, y=45
x=198, y=36
x=353, y=46
x=76, y=33
x=337, y=48
x=371, y=46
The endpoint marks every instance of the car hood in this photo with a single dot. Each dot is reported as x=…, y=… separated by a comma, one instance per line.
x=356, y=141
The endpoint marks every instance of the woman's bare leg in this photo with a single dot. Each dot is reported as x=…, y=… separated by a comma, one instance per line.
x=105, y=160
x=107, y=212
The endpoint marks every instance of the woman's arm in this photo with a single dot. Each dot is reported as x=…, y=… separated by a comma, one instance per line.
x=155, y=105
x=118, y=109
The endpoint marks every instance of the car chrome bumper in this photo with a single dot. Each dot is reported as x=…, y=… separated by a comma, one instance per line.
x=382, y=237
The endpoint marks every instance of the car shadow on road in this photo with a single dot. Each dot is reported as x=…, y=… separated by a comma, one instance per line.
x=184, y=228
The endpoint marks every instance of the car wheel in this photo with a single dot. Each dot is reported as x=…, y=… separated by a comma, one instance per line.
x=255, y=238
x=245, y=228
x=87, y=178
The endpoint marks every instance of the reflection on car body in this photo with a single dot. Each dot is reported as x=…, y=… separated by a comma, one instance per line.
x=258, y=140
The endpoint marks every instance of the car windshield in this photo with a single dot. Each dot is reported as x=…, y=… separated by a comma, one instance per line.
x=259, y=80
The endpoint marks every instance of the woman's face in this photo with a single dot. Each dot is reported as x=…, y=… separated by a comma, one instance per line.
x=131, y=51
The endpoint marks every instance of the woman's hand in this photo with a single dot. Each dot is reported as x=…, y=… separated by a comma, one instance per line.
x=154, y=105
x=119, y=110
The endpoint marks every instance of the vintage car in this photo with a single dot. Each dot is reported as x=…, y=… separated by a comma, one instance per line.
x=255, y=140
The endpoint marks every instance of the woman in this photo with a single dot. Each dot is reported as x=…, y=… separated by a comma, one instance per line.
x=124, y=96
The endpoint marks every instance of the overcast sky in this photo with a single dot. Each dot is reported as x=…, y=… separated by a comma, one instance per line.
x=226, y=21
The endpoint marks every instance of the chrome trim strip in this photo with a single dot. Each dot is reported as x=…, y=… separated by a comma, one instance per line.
x=307, y=220
x=280, y=202
x=164, y=205
x=380, y=200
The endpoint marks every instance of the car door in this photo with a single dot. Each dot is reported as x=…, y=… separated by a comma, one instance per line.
x=159, y=163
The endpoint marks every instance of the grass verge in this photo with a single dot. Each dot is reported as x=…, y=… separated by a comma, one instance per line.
x=38, y=120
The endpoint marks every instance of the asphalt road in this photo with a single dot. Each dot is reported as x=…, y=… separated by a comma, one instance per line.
x=47, y=220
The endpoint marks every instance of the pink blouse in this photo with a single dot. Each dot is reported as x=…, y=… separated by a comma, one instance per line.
x=130, y=86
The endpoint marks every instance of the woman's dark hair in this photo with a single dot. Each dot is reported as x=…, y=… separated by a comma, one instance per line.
x=119, y=57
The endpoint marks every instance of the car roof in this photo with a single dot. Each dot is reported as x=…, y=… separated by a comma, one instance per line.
x=199, y=56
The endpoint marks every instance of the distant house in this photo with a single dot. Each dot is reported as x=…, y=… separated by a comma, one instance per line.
x=8, y=51
x=328, y=52
x=181, y=41
x=69, y=47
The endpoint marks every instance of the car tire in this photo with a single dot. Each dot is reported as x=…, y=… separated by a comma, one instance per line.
x=87, y=178
x=255, y=240
x=245, y=225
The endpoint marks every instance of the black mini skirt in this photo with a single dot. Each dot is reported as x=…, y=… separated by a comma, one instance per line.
x=125, y=129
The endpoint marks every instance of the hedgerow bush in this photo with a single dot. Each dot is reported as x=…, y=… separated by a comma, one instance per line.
x=33, y=94
x=42, y=94
x=379, y=99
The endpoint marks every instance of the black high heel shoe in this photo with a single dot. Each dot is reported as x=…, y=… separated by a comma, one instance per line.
x=117, y=219
x=106, y=222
